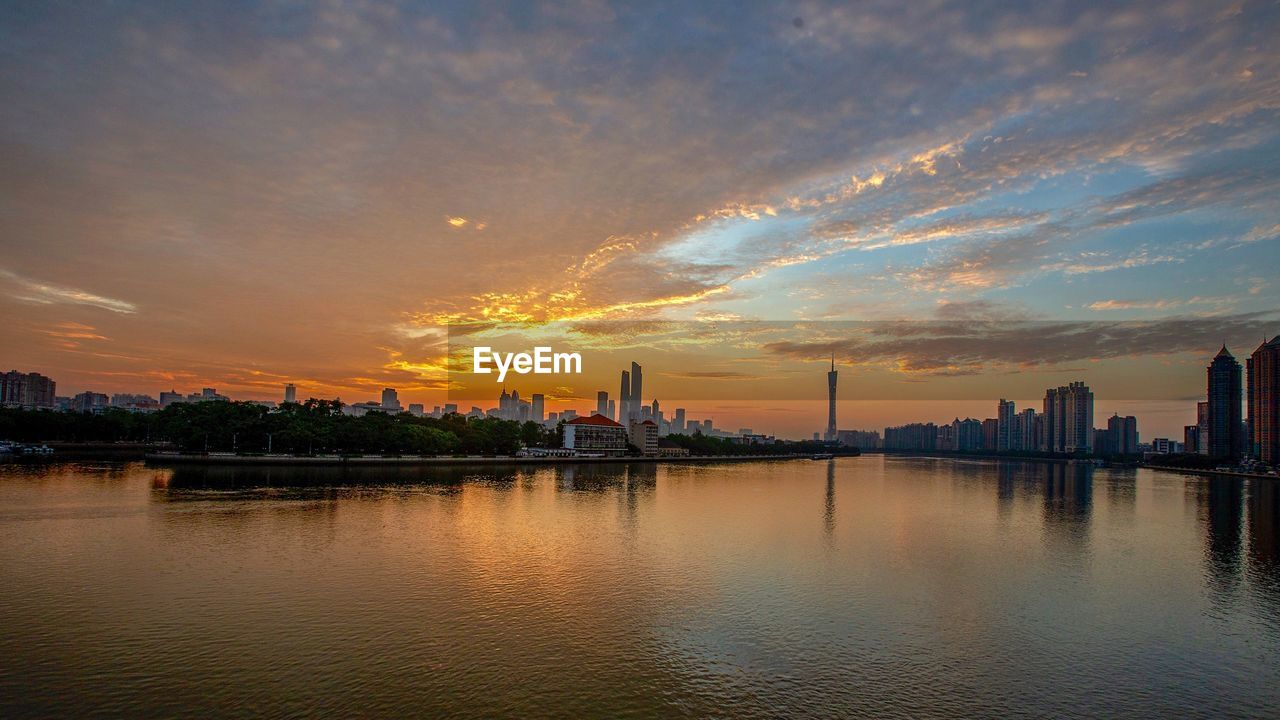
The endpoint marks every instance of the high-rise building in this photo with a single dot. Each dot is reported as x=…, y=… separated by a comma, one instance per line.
x=290, y=393
x=1225, y=393
x=1006, y=431
x=677, y=422
x=637, y=388
x=1024, y=424
x=613, y=409
x=1202, y=428
x=832, y=435
x=537, y=407
x=602, y=403
x=1264, y=402
x=1122, y=434
x=990, y=433
x=89, y=402
x=914, y=436
x=27, y=390
x=417, y=409
x=624, y=397
x=1068, y=419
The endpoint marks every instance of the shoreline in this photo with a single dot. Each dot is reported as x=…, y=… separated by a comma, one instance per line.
x=356, y=460
x=1201, y=471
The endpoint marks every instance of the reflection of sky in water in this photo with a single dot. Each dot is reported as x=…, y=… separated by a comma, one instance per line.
x=883, y=586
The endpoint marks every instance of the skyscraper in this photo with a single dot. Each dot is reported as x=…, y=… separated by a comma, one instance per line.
x=602, y=403
x=1068, y=419
x=1122, y=434
x=624, y=397
x=1005, y=431
x=1202, y=428
x=27, y=390
x=537, y=407
x=290, y=393
x=1264, y=402
x=832, y=434
x=1225, y=392
x=677, y=422
x=637, y=390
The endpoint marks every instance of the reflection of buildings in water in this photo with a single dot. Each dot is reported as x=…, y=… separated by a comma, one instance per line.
x=1068, y=500
x=1264, y=542
x=1006, y=478
x=1222, y=513
x=589, y=477
x=311, y=478
x=829, y=510
x=1122, y=493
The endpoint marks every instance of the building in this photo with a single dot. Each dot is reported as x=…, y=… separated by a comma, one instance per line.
x=832, y=434
x=1202, y=429
x=90, y=402
x=1068, y=419
x=677, y=421
x=990, y=433
x=595, y=434
x=207, y=395
x=861, y=439
x=537, y=407
x=27, y=390
x=1006, y=431
x=915, y=436
x=602, y=403
x=170, y=397
x=1191, y=438
x=134, y=402
x=290, y=393
x=1122, y=436
x=1225, y=390
x=668, y=448
x=391, y=400
x=644, y=435
x=417, y=409
x=967, y=434
x=612, y=413
x=1264, y=402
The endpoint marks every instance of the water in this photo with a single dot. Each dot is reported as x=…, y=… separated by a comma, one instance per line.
x=886, y=587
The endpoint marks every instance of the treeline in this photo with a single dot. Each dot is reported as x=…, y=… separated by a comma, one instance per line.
x=699, y=444
x=313, y=427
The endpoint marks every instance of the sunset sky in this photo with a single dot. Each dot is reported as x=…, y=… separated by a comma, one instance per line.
x=240, y=195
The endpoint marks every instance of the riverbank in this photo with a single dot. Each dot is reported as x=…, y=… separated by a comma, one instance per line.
x=1201, y=471
x=368, y=460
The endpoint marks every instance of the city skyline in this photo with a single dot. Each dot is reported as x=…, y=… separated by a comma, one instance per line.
x=317, y=197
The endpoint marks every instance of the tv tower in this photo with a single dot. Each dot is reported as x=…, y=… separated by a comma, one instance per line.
x=832, y=434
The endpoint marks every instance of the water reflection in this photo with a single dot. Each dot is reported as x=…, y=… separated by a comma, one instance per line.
x=829, y=508
x=1264, y=544
x=1221, y=502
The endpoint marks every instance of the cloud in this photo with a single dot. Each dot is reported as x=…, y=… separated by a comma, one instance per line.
x=41, y=293
x=971, y=347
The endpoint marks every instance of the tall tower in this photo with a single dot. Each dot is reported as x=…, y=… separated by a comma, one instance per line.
x=1225, y=391
x=602, y=403
x=624, y=398
x=637, y=391
x=290, y=393
x=832, y=434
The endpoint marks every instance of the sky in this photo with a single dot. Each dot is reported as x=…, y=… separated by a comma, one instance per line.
x=241, y=195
